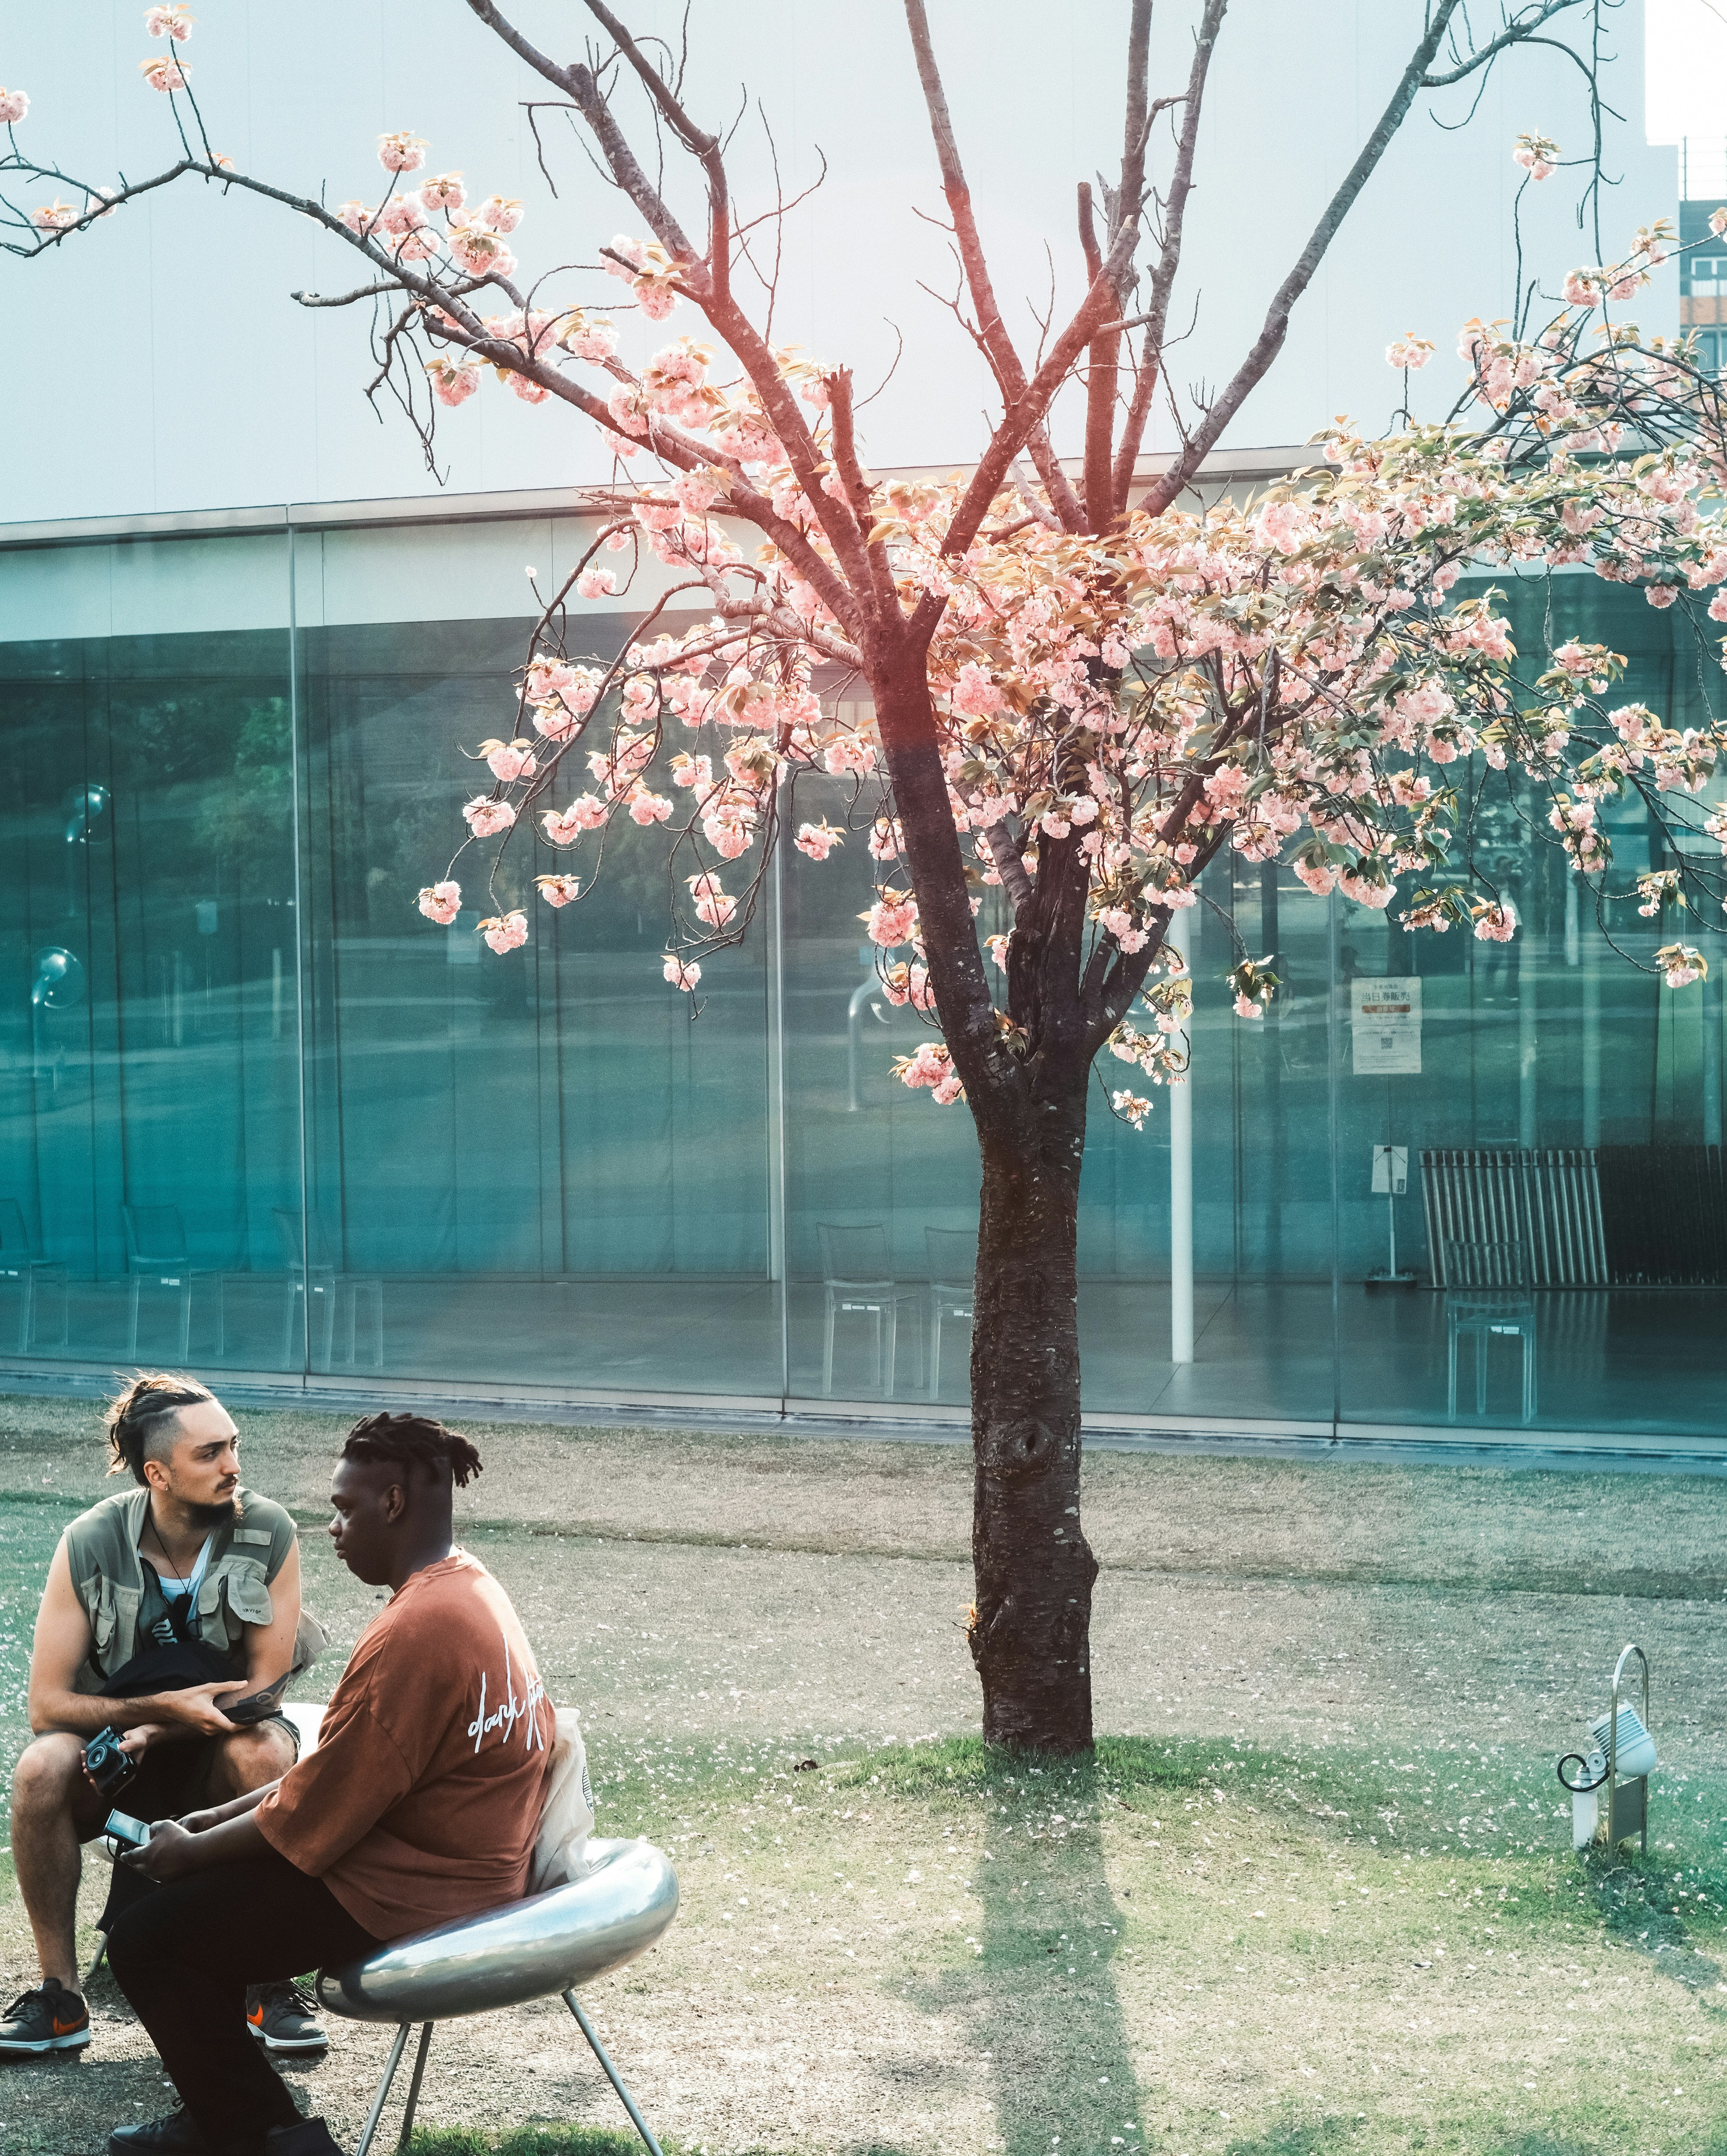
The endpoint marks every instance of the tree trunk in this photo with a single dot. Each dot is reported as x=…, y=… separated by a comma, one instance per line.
x=1030, y=1633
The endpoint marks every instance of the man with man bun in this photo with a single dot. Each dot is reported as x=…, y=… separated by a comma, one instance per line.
x=421, y=1803
x=187, y=1576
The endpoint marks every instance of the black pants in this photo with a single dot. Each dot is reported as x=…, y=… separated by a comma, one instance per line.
x=184, y=1955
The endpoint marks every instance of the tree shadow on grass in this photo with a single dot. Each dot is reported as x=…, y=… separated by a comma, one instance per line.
x=1037, y=1984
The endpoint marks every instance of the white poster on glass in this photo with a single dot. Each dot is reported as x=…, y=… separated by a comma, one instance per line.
x=1385, y=1025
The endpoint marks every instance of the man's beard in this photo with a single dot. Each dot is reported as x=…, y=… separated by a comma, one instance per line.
x=210, y=1516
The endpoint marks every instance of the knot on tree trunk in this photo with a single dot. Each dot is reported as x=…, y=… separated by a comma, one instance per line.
x=1020, y=1448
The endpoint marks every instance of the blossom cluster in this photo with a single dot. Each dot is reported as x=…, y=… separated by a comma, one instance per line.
x=1293, y=677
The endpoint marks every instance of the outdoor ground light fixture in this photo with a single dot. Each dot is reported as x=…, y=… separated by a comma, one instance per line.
x=1620, y=1761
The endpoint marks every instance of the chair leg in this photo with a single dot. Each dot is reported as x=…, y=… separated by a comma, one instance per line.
x=131, y=1345
x=186, y=1319
x=827, y=1349
x=935, y=1351
x=890, y=1325
x=624, y=2097
x=384, y=2089
x=419, y=2068
x=1451, y=1376
x=1483, y=1341
x=26, y=1312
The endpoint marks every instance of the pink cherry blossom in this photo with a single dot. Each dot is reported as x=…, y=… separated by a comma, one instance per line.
x=891, y=920
x=355, y=215
x=55, y=217
x=169, y=22
x=401, y=152
x=501, y=213
x=453, y=380
x=441, y=902
x=165, y=73
x=480, y=252
x=559, y=889
x=506, y=931
x=646, y=807
x=681, y=973
x=401, y=213
x=14, y=104
x=563, y=827
x=486, y=817
x=975, y=694
x=520, y=385
x=819, y=840
x=1132, y=1107
x=588, y=337
x=714, y=907
x=1409, y=351
x=1496, y=923
x=595, y=583
x=510, y=761
x=444, y=191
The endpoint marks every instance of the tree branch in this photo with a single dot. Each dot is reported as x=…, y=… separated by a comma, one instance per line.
x=1270, y=341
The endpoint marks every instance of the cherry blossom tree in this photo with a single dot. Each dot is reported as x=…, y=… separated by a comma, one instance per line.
x=1084, y=687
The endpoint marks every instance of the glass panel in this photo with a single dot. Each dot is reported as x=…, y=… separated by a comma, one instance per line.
x=866, y=1154
x=149, y=1122
x=874, y=1172
x=536, y=1169
x=1565, y=1213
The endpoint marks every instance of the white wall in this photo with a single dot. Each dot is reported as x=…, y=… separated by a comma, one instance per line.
x=158, y=362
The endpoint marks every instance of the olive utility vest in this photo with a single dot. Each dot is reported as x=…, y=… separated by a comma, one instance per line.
x=108, y=1578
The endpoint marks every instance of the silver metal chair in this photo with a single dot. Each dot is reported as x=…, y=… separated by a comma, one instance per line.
x=1487, y=1298
x=330, y=1293
x=156, y=1256
x=20, y=1261
x=953, y=1273
x=548, y=1945
x=856, y=1278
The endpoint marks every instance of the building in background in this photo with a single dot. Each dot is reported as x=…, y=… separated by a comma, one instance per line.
x=257, y=1114
x=1703, y=260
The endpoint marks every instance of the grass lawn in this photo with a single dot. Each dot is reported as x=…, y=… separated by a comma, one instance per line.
x=1317, y=1896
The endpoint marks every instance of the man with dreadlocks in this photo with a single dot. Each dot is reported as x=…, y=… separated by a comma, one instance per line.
x=162, y=1602
x=420, y=1805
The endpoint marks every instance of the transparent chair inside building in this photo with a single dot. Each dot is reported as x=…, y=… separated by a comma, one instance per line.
x=857, y=1282
x=158, y=1260
x=1487, y=1298
x=38, y=1280
x=953, y=1269
x=318, y=1296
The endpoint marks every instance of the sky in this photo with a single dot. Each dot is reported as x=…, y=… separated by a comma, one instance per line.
x=161, y=364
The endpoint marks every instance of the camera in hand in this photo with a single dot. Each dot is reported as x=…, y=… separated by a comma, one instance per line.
x=107, y=1766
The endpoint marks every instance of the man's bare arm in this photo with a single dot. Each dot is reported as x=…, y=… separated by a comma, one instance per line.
x=269, y=1647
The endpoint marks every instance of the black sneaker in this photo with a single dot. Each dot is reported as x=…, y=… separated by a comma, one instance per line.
x=283, y=2018
x=178, y=2134
x=310, y=2138
x=49, y=2019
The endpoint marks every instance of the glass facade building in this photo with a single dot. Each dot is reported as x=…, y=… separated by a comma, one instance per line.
x=257, y=1116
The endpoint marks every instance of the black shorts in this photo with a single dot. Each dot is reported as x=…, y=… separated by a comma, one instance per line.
x=175, y=1778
